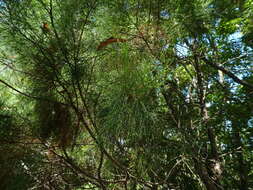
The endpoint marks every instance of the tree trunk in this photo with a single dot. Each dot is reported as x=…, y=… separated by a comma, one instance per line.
x=209, y=173
x=204, y=176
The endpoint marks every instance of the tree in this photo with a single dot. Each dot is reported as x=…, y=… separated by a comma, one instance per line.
x=163, y=103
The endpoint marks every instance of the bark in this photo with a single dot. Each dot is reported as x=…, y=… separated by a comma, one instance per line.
x=209, y=173
x=204, y=176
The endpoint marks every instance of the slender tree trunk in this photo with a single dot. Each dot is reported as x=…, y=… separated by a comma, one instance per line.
x=209, y=172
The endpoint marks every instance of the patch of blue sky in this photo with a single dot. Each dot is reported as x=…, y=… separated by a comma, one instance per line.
x=164, y=14
x=241, y=71
x=250, y=122
x=182, y=50
x=235, y=36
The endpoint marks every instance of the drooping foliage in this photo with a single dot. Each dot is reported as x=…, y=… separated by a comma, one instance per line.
x=126, y=94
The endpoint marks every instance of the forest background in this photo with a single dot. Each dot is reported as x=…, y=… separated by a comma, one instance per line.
x=126, y=94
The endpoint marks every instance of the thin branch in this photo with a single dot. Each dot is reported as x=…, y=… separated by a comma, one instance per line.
x=28, y=95
x=16, y=90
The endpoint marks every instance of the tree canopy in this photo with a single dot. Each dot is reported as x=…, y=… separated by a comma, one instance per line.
x=126, y=94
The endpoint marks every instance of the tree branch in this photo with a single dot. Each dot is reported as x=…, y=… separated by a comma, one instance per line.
x=28, y=95
x=227, y=72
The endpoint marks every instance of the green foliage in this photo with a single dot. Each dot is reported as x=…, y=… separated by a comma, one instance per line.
x=165, y=104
